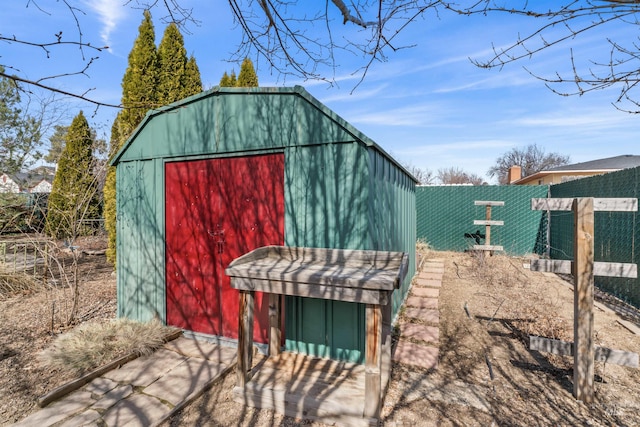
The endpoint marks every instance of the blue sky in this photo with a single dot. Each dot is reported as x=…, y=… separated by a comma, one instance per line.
x=428, y=106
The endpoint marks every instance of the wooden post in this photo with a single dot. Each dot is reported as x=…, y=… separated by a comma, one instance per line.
x=275, y=316
x=583, y=357
x=487, y=222
x=487, y=227
x=373, y=361
x=245, y=337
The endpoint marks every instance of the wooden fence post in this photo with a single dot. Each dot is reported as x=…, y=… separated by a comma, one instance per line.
x=584, y=268
x=583, y=356
x=487, y=222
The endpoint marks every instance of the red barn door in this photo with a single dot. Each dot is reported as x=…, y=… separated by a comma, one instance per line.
x=217, y=210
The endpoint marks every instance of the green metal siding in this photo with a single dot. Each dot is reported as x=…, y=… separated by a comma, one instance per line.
x=341, y=191
x=141, y=291
x=326, y=198
x=446, y=214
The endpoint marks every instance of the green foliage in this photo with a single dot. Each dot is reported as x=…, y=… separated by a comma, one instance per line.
x=172, y=61
x=20, y=133
x=109, y=194
x=140, y=81
x=247, y=76
x=74, y=196
x=58, y=139
x=178, y=77
x=192, y=81
x=228, y=80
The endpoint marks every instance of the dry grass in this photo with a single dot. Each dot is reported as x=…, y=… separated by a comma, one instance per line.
x=94, y=344
x=13, y=282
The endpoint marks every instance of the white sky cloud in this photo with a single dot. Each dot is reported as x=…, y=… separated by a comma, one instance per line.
x=110, y=13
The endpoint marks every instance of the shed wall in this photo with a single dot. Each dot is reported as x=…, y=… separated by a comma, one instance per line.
x=340, y=192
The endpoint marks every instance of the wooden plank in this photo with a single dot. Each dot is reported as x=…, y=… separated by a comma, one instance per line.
x=245, y=337
x=310, y=290
x=487, y=222
x=373, y=361
x=599, y=204
x=602, y=354
x=275, y=318
x=604, y=269
x=487, y=228
x=487, y=203
x=583, y=358
x=488, y=248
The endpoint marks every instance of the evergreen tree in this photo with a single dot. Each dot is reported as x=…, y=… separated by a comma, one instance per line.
x=74, y=196
x=20, y=133
x=172, y=62
x=247, y=76
x=228, y=80
x=57, y=141
x=192, y=81
x=139, y=94
x=110, y=194
x=140, y=81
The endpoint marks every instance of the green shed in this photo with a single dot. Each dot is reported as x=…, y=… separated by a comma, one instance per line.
x=216, y=175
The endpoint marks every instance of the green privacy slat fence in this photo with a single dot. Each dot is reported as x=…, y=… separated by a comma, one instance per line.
x=445, y=217
x=616, y=233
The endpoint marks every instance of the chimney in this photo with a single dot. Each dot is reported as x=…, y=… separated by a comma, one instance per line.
x=515, y=173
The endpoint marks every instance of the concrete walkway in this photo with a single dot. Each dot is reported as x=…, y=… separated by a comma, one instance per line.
x=419, y=330
x=143, y=392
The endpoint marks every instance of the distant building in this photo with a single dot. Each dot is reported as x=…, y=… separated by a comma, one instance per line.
x=8, y=185
x=566, y=173
x=37, y=180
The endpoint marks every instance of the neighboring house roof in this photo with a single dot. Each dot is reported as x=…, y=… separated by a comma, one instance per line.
x=599, y=166
x=616, y=163
x=28, y=181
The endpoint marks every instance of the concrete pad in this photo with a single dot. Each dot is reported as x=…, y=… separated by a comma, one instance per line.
x=87, y=418
x=426, y=292
x=431, y=316
x=113, y=396
x=145, y=370
x=417, y=355
x=100, y=386
x=187, y=378
x=420, y=332
x=202, y=349
x=58, y=411
x=432, y=270
x=429, y=283
x=424, y=303
x=138, y=410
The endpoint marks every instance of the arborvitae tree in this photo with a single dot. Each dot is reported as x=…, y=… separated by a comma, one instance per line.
x=228, y=80
x=74, y=196
x=110, y=194
x=247, y=76
x=140, y=81
x=192, y=81
x=139, y=94
x=172, y=62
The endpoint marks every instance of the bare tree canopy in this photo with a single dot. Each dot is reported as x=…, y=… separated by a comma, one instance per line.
x=531, y=159
x=305, y=39
x=454, y=175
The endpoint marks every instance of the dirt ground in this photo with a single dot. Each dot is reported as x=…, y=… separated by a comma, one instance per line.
x=486, y=374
